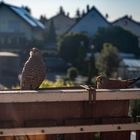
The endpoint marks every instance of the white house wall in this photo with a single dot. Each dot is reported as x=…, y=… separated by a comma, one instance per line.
x=90, y=24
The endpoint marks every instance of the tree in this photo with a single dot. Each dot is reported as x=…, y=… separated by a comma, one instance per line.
x=61, y=10
x=78, y=14
x=108, y=60
x=27, y=9
x=43, y=19
x=88, y=8
x=124, y=40
x=51, y=34
x=83, y=13
x=73, y=47
x=90, y=68
x=68, y=14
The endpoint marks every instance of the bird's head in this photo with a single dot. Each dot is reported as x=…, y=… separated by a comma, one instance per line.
x=35, y=52
x=101, y=79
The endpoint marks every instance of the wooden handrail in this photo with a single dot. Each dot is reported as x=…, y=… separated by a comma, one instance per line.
x=57, y=95
x=70, y=129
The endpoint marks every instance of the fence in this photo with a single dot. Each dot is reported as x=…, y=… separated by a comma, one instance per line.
x=69, y=114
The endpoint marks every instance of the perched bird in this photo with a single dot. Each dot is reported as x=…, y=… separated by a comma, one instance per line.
x=103, y=82
x=34, y=71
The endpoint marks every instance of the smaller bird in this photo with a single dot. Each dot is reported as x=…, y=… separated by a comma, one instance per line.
x=103, y=82
x=33, y=72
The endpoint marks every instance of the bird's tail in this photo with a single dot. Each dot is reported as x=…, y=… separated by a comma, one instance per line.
x=132, y=81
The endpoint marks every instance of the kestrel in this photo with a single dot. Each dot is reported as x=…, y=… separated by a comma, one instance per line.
x=33, y=72
x=103, y=82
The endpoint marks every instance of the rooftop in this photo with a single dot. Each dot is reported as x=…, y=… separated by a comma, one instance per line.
x=132, y=62
x=8, y=54
x=24, y=14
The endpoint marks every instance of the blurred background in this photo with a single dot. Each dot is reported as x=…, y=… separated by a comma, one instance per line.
x=78, y=40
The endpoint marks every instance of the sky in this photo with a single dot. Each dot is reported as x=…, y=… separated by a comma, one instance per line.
x=114, y=8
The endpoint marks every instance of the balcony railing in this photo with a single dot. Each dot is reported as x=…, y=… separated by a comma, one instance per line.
x=68, y=112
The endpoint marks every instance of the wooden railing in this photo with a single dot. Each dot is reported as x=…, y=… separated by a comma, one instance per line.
x=68, y=112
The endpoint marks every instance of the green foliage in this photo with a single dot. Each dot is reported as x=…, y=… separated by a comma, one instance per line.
x=61, y=10
x=72, y=73
x=43, y=19
x=28, y=9
x=124, y=40
x=73, y=47
x=81, y=53
x=51, y=84
x=57, y=83
x=108, y=60
x=78, y=15
x=91, y=69
x=16, y=87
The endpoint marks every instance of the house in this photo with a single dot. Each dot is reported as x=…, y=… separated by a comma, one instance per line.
x=17, y=26
x=62, y=23
x=90, y=23
x=129, y=68
x=55, y=26
x=129, y=24
x=126, y=55
x=9, y=68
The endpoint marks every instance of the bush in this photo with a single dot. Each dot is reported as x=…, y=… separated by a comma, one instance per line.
x=72, y=73
x=73, y=47
x=124, y=40
x=108, y=60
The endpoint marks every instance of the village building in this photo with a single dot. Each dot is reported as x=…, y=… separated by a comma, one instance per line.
x=129, y=68
x=18, y=26
x=129, y=24
x=90, y=23
x=9, y=68
x=56, y=26
x=62, y=23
